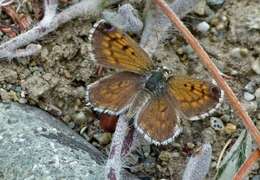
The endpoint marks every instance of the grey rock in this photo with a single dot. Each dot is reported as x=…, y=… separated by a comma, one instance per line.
x=248, y=96
x=250, y=106
x=256, y=177
x=250, y=87
x=257, y=94
x=200, y=8
x=215, y=3
x=35, y=145
x=235, y=53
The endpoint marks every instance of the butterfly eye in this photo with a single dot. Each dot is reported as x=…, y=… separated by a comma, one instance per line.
x=108, y=27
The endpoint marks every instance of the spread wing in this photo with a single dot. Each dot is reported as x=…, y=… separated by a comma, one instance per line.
x=195, y=99
x=114, y=93
x=158, y=121
x=113, y=48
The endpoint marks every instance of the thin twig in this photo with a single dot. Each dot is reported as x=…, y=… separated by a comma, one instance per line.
x=234, y=102
x=222, y=153
x=120, y=147
x=243, y=170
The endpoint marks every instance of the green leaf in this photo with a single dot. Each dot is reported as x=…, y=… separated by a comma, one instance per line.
x=235, y=157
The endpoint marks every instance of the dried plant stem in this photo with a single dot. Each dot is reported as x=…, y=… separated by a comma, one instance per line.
x=121, y=145
x=234, y=102
x=243, y=170
x=222, y=153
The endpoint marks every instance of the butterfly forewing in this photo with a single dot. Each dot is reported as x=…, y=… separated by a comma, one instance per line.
x=113, y=48
x=195, y=99
x=158, y=121
x=113, y=94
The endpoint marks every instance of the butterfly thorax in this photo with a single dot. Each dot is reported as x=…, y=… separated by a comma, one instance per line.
x=156, y=82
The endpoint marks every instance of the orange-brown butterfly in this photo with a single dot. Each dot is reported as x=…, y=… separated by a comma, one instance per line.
x=170, y=96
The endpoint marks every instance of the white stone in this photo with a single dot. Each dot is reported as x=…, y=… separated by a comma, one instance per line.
x=216, y=123
x=248, y=96
x=235, y=53
x=250, y=106
x=250, y=87
x=256, y=66
x=257, y=95
x=203, y=27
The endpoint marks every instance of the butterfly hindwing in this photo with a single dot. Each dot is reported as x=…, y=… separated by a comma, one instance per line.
x=158, y=120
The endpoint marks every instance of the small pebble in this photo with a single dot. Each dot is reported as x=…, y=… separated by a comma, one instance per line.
x=22, y=101
x=256, y=66
x=244, y=52
x=257, y=94
x=226, y=118
x=216, y=123
x=256, y=177
x=147, y=150
x=248, y=96
x=79, y=117
x=203, y=27
x=71, y=124
x=209, y=135
x=250, y=106
x=176, y=145
x=214, y=164
x=149, y=164
x=175, y=154
x=190, y=145
x=104, y=138
x=200, y=8
x=258, y=125
x=230, y=128
x=165, y=156
x=215, y=3
x=239, y=52
x=180, y=51
x=258, y=116
x=250, y=87
x=220, y=26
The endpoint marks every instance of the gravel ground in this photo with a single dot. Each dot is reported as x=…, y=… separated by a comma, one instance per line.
x=55, y=81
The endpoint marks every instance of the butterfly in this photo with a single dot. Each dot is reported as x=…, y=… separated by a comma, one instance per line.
x=157, y=116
